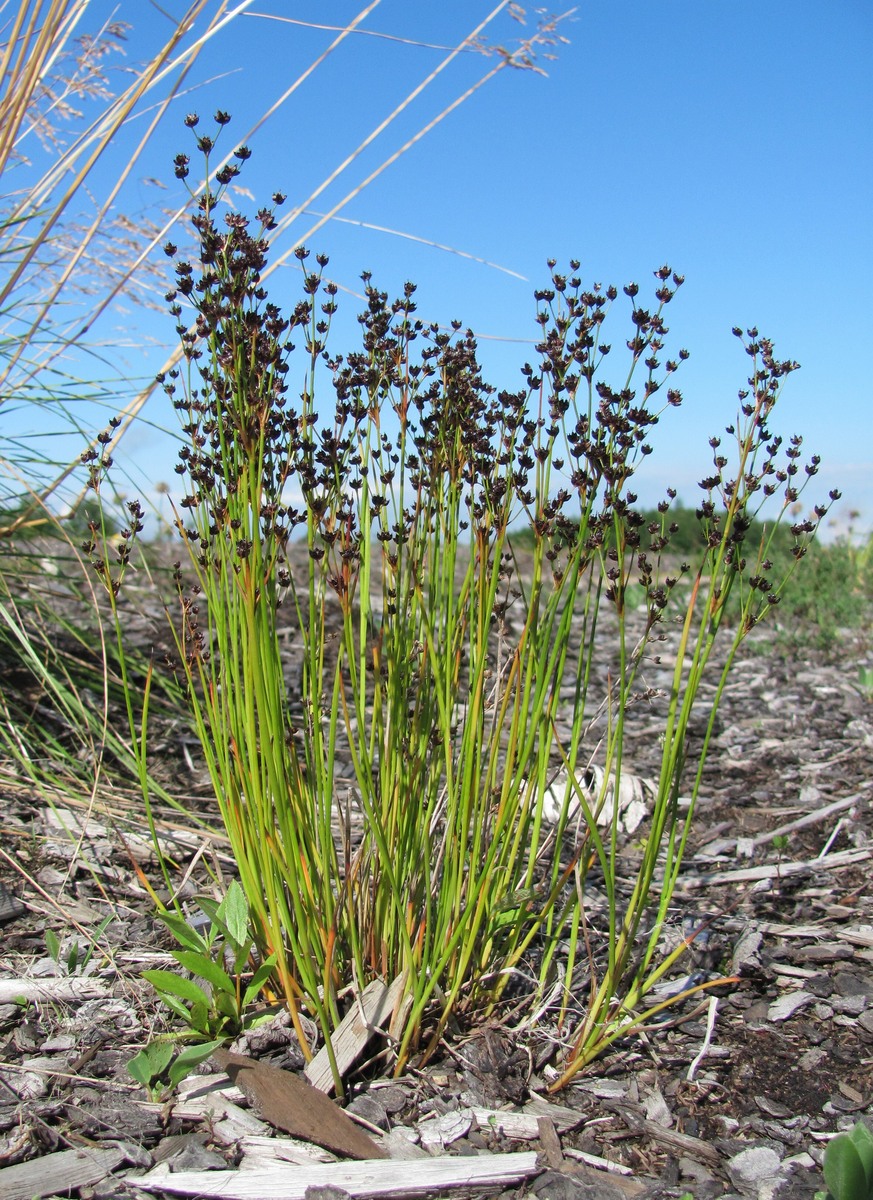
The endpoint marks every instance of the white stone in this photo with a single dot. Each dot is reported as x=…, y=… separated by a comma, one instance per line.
x=786, y=1006
x=754, y=1167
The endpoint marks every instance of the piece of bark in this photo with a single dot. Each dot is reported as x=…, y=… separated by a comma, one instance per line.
x=598, y=1162
x=449, y=1127
x=604, y=1184
x=551, y=1145
x=681, y=1143
x=563, y=1118
x=813, y=818
x=61, y=1172
x=372, y=1010
x=264, y=1153
x=361, y=1179
x=291, y=1103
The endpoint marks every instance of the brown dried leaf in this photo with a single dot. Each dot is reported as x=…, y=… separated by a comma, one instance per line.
x=290, y=1103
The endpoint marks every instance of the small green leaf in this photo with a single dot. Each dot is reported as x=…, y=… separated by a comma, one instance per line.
x=225, y=1004
x=176, y=1006
x=73, y=959
x=843, y=1169
x=159, y=1054
x=191, y=1057
x=217, y=923
x=207, y=968
x=140, y=1068
x=257, y=981
x=234, y=911
x=98, y=933
x=241, y=956
x=183, y=933
x=52, y=944
x=198, y=1018
x=167, y=983
x=209, y=906
x=150, y=1063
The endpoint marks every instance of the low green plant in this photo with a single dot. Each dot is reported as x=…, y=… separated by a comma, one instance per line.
x=160, y=1065
x=388, y=818
x=848, y=1166
x=215, y=1007
x=75, y=959
x=779, y=842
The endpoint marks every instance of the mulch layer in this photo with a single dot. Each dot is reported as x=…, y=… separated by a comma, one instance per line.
x=733, y=1096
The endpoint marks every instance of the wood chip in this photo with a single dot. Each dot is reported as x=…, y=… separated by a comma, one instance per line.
x=564, y=1118
x=291, y=1103
x=373, y=1010
x=551, y=1144
x=445, y=1129
x=361, y=1179
x=597, y=1182
x=524, y=1126
x=67, y=989
x=595, y=1160
x=680, y=1143
x=61, y=1172
x=264, y=1153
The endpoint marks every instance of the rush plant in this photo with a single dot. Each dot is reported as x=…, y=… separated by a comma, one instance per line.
x=389, y=791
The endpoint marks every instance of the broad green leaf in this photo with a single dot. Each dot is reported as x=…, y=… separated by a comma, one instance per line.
x=167, y=983
x=191, y=1057
x=207, y=968
x=234, y=911
x=863, y=1142
x=843, y=1169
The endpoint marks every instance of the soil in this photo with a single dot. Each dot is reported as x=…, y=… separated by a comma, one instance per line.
x=781, y=1062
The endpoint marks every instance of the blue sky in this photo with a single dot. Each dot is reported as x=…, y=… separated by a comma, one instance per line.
x=731, y=140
